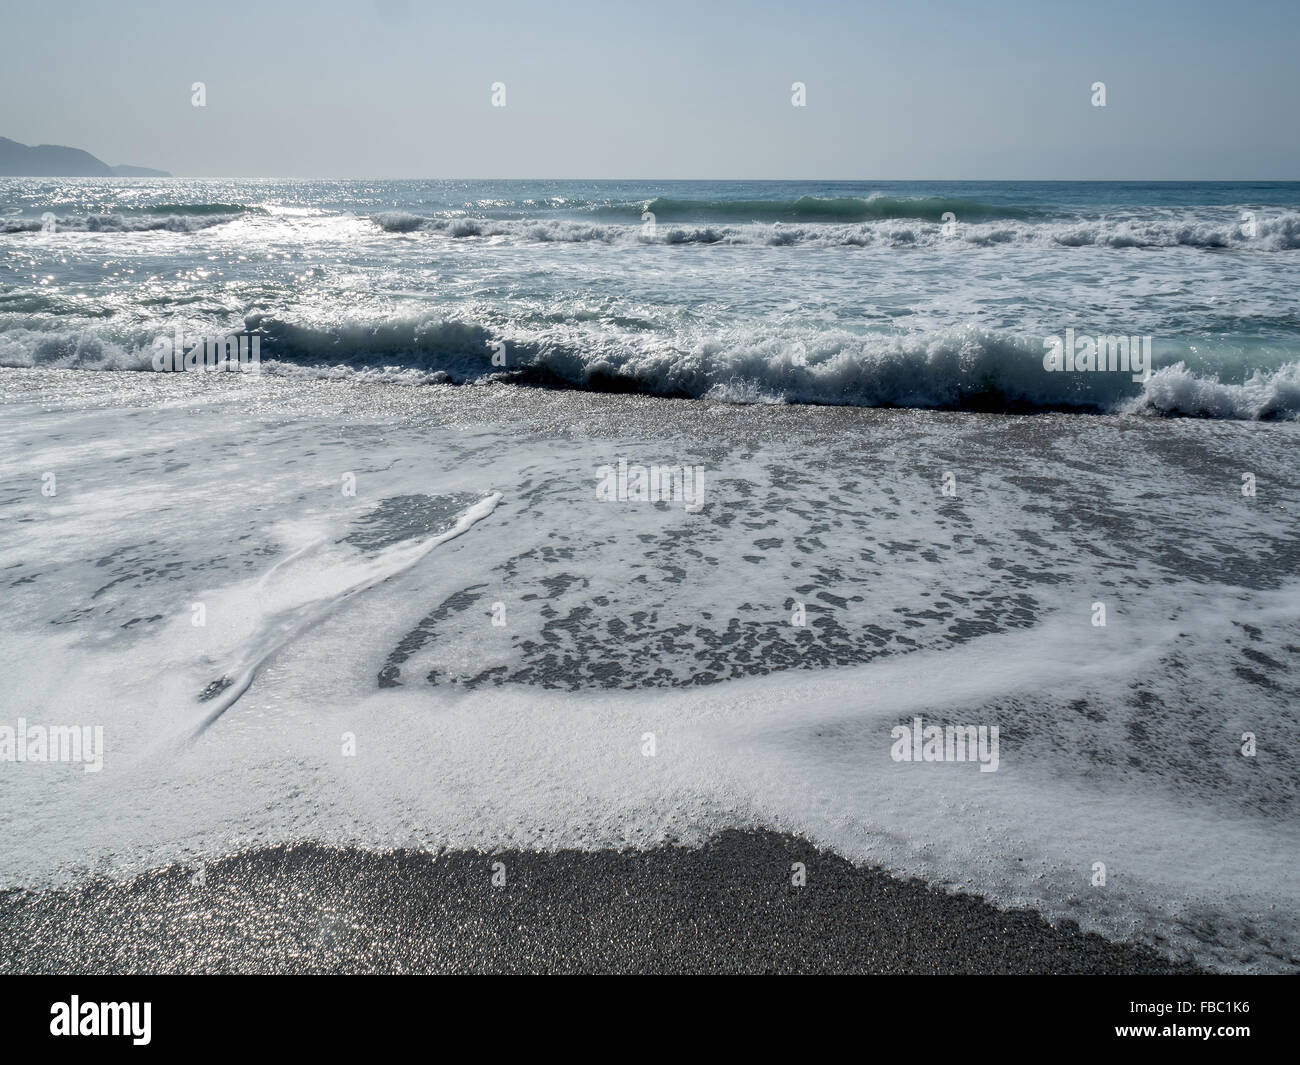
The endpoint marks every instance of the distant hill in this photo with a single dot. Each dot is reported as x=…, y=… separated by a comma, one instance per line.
x=54, y=160
x=138, y=171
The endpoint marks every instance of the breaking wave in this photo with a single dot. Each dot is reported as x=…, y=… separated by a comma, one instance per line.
x=178, y=219
x=956, y=369
x=1276, y=233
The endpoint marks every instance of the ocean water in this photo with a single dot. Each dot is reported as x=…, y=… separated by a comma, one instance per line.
x=873, y=294
x=374, y=595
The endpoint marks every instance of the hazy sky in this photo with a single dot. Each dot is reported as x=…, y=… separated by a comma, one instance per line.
x=907, y=89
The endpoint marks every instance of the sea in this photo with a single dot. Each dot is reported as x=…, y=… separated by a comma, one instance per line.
x=610, y=514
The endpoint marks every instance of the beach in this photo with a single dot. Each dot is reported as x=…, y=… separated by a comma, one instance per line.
x=728, y=907
x=650, y=713
x=856, y=531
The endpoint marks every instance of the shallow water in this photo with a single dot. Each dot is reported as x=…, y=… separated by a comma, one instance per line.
x=357, y=625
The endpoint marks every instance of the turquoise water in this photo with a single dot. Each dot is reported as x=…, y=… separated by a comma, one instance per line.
x=924, y=294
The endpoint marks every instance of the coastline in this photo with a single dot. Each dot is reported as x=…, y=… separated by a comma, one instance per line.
x=728, y=907
x=623, y=621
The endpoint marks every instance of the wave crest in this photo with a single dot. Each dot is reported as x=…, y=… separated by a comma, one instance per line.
x=1277, y=233
x=958, y=369
x=120, y=223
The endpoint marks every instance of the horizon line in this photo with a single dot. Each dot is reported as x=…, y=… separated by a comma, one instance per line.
x=733, y=180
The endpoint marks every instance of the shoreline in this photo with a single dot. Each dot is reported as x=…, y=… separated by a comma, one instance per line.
x=1119, y=744
x=728, y=907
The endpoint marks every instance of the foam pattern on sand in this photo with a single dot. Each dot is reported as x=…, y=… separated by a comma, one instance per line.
x=1119, y=744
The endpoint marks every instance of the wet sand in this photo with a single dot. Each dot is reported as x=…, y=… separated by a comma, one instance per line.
x=729, y=907
x=842, y=506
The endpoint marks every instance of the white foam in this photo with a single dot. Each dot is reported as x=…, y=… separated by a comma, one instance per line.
x=258, y=541
x=1280, y=232
x=258, y=618
x=953, y=368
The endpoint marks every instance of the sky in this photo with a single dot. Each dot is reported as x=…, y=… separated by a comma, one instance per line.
x=913, y=89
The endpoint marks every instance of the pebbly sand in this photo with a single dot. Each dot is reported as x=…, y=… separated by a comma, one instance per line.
x=729, y=907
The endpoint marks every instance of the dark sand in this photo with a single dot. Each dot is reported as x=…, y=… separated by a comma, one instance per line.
x=728, y=908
